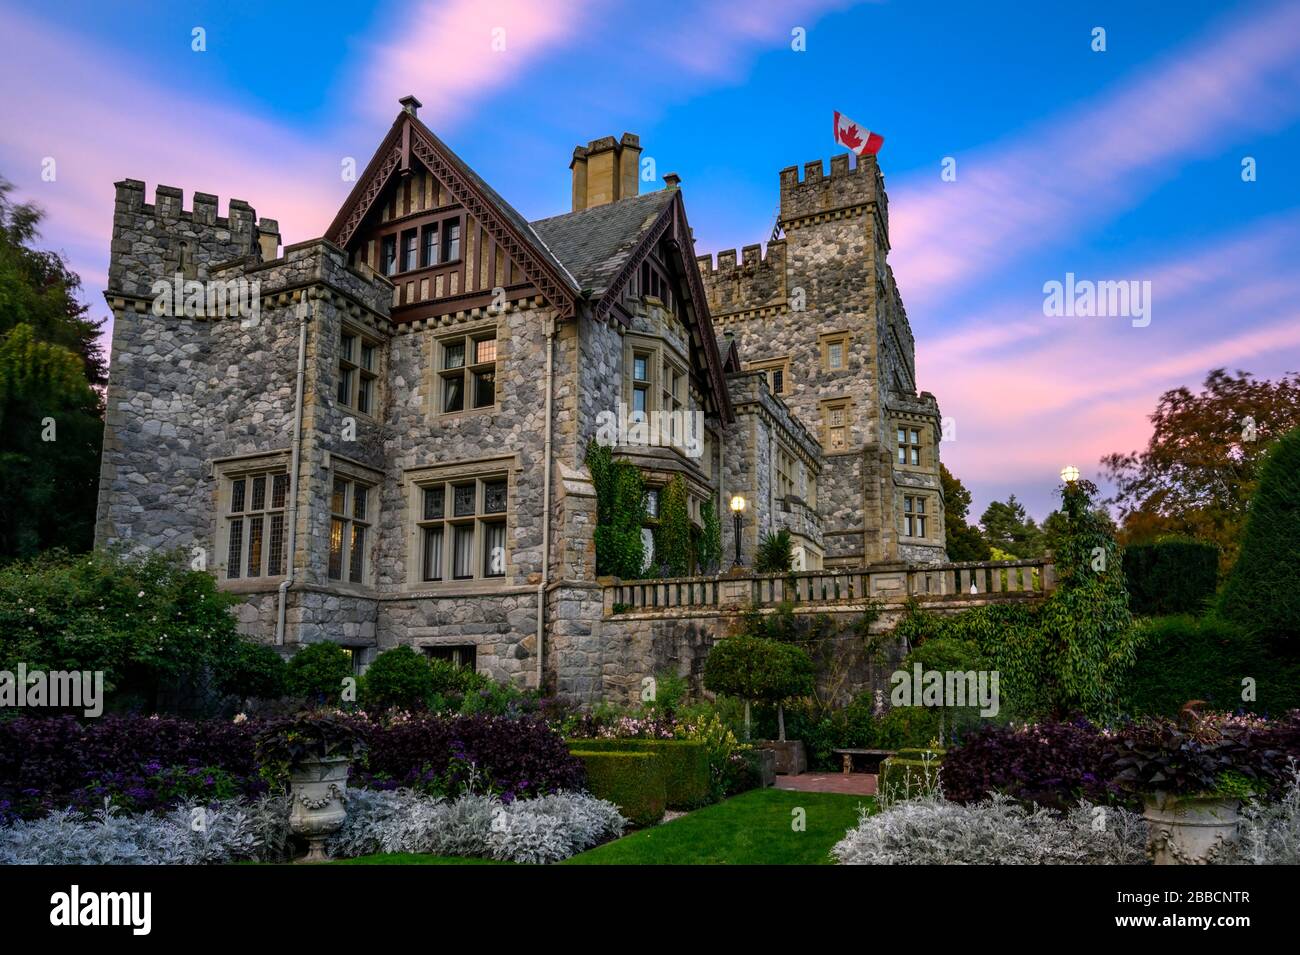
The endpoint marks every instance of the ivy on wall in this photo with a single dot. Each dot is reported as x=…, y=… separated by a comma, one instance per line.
x=620, y=512
x=708, y=546
x=673, y=536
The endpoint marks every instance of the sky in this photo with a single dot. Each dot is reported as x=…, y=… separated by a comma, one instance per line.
x=1161, y=151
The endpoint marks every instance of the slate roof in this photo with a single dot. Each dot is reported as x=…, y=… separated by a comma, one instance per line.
x=594, y=244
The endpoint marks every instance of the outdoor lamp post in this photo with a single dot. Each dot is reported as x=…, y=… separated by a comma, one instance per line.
x=737, y=506
x=1069, y=474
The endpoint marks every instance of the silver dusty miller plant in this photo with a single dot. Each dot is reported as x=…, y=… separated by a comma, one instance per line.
x=541, y=830
x=1268, y=833
x=932, y=831
x=187, y=835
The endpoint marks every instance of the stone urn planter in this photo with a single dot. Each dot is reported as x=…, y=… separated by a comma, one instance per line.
x=1189, y=830
x=315, y=751
x=319, y=788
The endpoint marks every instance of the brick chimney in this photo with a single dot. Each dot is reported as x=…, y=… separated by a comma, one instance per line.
x=606, y=170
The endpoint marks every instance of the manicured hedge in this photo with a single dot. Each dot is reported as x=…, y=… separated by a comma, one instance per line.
x=1206, y=658
x=1174, y=576
x=632, y=781
x=685, y=765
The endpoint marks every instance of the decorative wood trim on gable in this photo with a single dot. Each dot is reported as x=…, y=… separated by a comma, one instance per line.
x=409, y=137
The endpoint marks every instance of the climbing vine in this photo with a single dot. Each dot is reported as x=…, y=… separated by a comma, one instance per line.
x=673, y=536
x=708, y=547
x=620, y=512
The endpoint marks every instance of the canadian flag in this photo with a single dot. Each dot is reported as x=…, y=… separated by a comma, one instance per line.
x=857, y=138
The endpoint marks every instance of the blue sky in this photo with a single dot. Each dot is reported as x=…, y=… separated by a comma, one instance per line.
x=1122, y=164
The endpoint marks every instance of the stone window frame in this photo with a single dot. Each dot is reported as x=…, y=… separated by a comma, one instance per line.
x=660, y=355
x=783, y=455
x=354, y=365
x=769, y=367
x=224, y=472
x=908, y=515
x=828, y=406
x=825, y=341
x=453, y=653
x=347, y=520
x=478, y=472
x=469, y=338
x=916, y=453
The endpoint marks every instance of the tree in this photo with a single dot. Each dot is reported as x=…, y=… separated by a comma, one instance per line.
x=155, y=629
x=1200, y=467
x=755, y=668
x=964, y=542
x=1262, y=593
x=1008, y=527
x=51, y=424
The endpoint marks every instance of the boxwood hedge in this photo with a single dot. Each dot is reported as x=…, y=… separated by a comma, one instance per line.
x=632, y=781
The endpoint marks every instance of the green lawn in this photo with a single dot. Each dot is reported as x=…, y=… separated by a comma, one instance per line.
x=754, y=828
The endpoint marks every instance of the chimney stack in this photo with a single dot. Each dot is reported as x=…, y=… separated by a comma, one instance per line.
x=606, y=170
x=410, y=104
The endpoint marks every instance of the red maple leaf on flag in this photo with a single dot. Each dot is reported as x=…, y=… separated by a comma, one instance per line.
x=849, y=137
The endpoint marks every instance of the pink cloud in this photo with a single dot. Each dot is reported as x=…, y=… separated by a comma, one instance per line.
x=1031, y=394
x=444, y=53
x=1013, y=197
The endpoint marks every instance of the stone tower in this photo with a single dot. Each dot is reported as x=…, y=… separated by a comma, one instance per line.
x=821, y=314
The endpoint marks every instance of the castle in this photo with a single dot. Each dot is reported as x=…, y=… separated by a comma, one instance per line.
x=377, y=437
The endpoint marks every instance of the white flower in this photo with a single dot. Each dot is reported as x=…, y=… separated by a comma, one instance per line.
x=140, y=594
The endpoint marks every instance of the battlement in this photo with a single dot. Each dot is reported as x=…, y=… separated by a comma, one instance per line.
x=752, y=257
x=153, y=240
x=848, y=185
x=757, y=280
x=168, y=204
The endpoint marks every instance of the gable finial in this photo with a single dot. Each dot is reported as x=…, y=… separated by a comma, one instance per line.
x=411, y=104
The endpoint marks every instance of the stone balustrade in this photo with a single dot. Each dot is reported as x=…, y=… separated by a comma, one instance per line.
x=987, y=581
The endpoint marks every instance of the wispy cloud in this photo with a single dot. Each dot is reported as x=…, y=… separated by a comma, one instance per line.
x=1031, y=393
x=453, y=54
x=1057, y=181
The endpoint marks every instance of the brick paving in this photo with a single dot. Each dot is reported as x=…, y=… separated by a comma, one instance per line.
x=854, y=784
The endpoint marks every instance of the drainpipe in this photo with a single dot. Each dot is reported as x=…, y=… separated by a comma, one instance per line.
x=546, y=501
x=304, y=317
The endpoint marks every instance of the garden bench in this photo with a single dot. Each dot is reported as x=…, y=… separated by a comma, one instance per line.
x=848, y=755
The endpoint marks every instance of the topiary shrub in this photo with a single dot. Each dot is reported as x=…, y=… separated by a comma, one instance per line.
x=634, y=782
x=756, y=668
x=1171, y=576
x=317, y=671
x=399, y=678
x=685, y=765
x=1262, y=592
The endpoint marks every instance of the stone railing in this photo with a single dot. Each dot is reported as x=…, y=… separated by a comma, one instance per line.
x=990, y=580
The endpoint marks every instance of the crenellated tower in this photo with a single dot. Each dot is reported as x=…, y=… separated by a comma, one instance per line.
x=820, y=313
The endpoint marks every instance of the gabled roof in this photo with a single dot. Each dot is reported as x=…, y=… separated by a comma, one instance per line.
x=407, y=138
x=595, y=244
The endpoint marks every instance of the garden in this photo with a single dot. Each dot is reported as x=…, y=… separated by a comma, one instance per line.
x=1148, y=712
